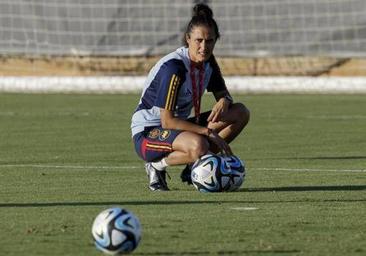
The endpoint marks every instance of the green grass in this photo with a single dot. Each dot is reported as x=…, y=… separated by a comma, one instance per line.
x=65, y=158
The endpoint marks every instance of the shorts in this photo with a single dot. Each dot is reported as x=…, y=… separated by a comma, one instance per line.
x=156, y=142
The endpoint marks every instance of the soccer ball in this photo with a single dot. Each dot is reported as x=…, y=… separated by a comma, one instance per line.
x=237, y=168
x=116, y=231
x=211, y=173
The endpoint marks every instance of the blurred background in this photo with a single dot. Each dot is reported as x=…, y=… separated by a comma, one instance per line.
x=110, y=45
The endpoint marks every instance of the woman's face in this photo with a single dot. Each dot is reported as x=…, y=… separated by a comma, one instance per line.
x=201, y=42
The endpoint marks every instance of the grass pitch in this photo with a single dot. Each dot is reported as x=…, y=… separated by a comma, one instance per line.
x=65, y=158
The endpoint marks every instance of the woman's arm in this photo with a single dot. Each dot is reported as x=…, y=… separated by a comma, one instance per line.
x=168, y=121
x=221, y=107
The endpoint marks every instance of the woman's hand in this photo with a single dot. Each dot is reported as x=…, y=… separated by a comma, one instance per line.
x=220, y=142
x=219, y=110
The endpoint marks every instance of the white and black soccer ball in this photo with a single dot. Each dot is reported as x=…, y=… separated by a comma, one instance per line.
x=116, y=231
x=211, y=173
x=237, y=167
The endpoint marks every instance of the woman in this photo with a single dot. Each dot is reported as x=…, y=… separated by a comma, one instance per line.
x=162, y=131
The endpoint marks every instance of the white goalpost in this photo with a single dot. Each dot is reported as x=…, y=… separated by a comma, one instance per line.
x=266, y=45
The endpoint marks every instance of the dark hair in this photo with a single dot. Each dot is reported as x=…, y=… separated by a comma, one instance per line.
x=202, y=15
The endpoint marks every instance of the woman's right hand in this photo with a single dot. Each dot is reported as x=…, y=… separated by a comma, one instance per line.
x=220, y=142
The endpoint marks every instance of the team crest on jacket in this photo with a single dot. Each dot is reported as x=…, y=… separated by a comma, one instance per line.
x=154, y=133
x=164, y=135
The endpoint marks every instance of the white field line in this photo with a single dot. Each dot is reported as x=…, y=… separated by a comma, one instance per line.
x=141, y=167
x=307, y=170
x=244, y=208
x=67, y=166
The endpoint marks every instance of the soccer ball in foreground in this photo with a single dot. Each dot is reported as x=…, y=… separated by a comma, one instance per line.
x=116, y=231
x=237, y=168
x=211, y=173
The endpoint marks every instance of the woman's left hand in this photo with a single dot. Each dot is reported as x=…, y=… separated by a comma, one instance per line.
x=220, y=142
x=219, y=110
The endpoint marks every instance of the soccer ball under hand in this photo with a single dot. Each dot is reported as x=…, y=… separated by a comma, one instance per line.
x=116, y=231
x=216, y=173
x=211, y=173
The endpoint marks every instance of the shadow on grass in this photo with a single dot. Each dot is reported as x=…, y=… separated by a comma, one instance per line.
x=217, y=202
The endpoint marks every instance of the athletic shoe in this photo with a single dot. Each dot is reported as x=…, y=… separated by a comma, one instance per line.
x=186, y=174
x=157, y=178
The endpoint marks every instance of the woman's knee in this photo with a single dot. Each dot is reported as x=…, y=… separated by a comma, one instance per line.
x=242, y=113
x=198, y=148
x=191, y=144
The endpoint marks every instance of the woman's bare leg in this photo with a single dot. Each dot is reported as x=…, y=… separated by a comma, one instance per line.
x=187, y=148
x=231, y=125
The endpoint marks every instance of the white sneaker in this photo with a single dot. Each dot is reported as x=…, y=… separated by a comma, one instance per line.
x=157, y=178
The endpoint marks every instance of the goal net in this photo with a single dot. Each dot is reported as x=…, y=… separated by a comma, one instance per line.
x=125, y=37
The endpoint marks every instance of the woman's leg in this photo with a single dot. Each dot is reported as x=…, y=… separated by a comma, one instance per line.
x=231, y=124
x=187, y=148
x=228, y=128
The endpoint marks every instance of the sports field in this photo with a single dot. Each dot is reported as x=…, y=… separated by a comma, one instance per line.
x=65, y=158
